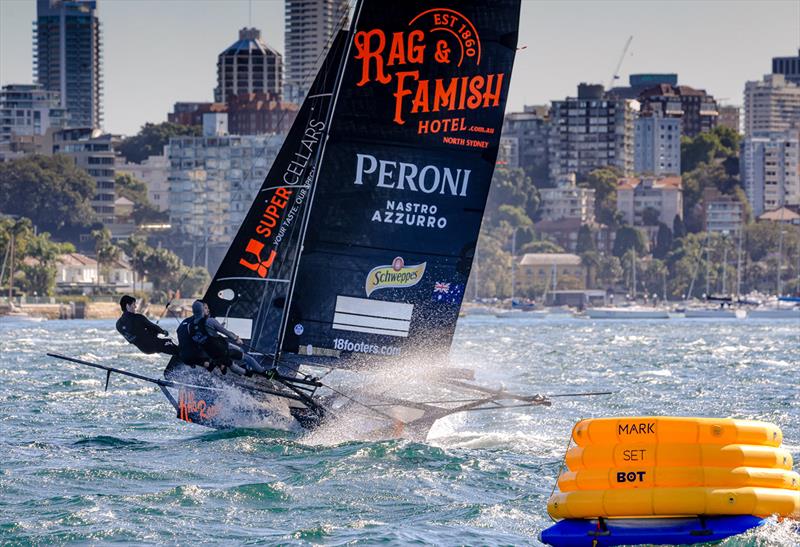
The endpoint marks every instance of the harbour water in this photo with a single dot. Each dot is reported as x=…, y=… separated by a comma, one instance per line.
x=87, y=466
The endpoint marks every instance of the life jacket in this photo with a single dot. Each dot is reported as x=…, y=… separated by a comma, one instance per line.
x=214, y=346
x=198, y=332
x=190, y=352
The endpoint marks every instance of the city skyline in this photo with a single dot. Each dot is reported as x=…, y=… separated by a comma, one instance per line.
x=549, y=65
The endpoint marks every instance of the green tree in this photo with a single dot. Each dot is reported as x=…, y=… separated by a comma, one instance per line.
x=163, y=269
x=628, y=238
x=35, y=256
x=492, y=265
x=604, y=182
x=137, y=250
x=49, y=190
x=585, y=243
x=151, y=139
x=609, y=272
x=106, y=252
x=196, y=282
x=704, y=176
x=128, y=186
x=653, y=274
x=514, y=216
x=678, y=227
x=542, y=246
x=591, y=261
x=700, y=149
x=663, y=241
x=651, y=216
x=513, y=188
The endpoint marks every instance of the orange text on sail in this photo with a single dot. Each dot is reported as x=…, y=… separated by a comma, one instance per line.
x=396, y=60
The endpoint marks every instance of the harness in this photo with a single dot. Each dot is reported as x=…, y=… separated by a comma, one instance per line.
x=198, y=332
x=197, y=345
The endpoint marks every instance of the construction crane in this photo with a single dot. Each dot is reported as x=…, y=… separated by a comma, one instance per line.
x=615, y=75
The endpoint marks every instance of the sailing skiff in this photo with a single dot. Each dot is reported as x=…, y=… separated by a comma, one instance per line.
x=355, y=254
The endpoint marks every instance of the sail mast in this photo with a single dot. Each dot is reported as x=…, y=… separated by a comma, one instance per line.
x=317, y=163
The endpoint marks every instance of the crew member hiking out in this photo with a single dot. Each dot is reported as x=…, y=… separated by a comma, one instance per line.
x=204, y=340
x=139, y=331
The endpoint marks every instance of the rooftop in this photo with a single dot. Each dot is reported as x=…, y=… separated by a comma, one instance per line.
x=76, y=259
x=630, y=183
x=780, y=215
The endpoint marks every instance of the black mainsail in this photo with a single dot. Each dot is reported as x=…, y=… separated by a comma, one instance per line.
x=403, y=180
x=250, y=287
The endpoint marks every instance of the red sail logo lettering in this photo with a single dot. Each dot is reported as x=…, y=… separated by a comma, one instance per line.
x=260, y=266
x=265, y=228
x=451, y=40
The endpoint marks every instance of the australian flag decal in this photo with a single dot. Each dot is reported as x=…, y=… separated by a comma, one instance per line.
x=447, y=292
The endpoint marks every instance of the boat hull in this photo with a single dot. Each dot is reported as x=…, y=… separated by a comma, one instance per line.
x=714, y=314
x=622, y=313
x=788, y=313
x=232, y=401
x=653, y=531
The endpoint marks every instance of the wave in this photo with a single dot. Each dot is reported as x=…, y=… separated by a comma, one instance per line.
x=108, y=441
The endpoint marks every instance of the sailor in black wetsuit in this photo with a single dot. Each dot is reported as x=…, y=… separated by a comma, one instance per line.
x=140, y=332
x=204, y=340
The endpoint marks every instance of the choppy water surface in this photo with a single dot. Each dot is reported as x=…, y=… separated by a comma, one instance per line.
x=81, y=465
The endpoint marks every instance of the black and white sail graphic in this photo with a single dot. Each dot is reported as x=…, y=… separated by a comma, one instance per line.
x=403, y=178
x=250, y=288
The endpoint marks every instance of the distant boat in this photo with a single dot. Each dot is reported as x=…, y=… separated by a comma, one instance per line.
x=774, y=313
x=628, y=312
x=714, y=313
x=522, y=314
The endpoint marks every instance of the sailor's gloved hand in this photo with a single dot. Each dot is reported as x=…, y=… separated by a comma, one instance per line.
x=239, y=341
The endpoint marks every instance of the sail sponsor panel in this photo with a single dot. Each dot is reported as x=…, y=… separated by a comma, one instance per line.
x=405, y=173
x=372, y=316
x=394, y=275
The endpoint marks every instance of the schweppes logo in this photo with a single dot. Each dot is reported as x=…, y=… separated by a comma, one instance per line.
x=448, y=37
x=397, y=275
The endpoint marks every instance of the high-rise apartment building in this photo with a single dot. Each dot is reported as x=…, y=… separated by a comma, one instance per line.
x=590, y=131
x=567, y=200
x=214, y=178
x=525, y=136
x=154, y=172
x=310, y=26
x=657, y=144
x=28, y=110
x=788, y=66
x=721, y=212
x=697, y=109
x=664, y=195
x=772, y=104
x=248, y=66
x=638, y=83
x=771, y=170
x=92, y=151
x=248, y=113
x=731, y=117
x=67, y=57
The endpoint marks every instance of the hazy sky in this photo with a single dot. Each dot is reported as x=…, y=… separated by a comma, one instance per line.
x=157, y=52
